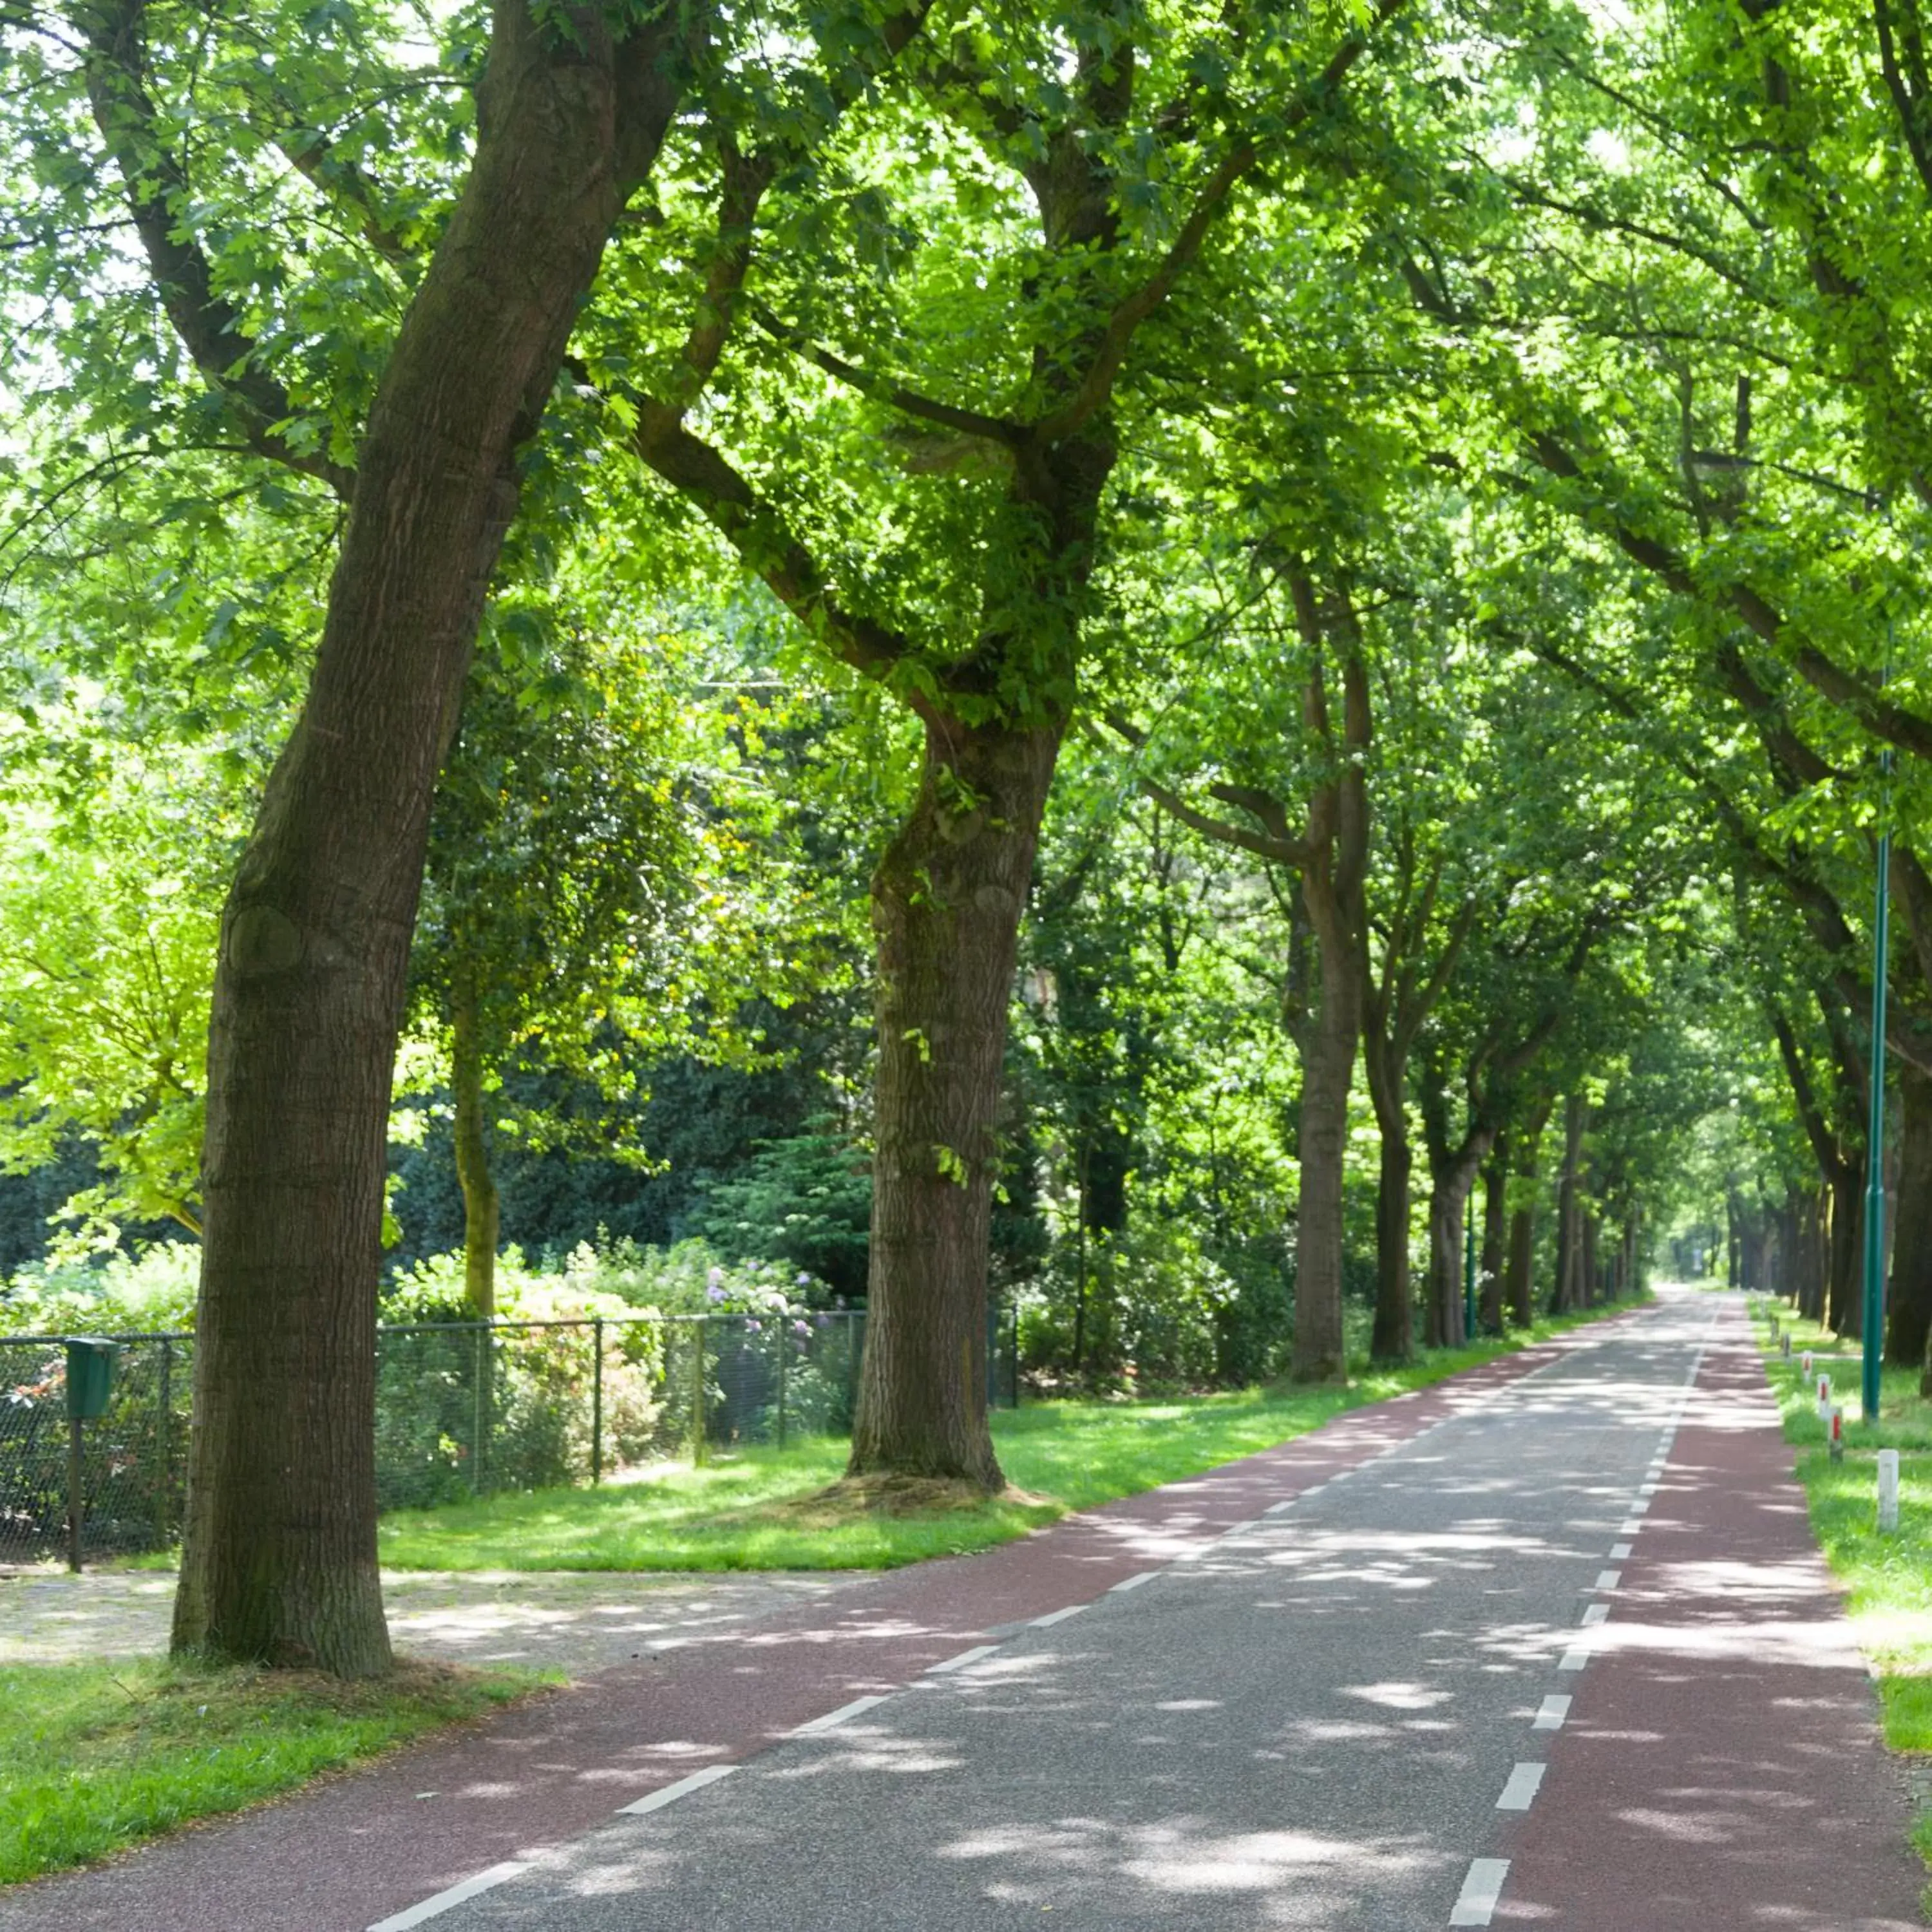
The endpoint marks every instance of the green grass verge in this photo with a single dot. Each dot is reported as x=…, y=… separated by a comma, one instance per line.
x=1887, y=1579
x=95, y=1756
x=765, y=1509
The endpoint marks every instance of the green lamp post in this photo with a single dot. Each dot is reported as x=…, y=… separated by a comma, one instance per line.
x=1874, y=1267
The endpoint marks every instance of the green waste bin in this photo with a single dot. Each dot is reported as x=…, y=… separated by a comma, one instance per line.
x=90, y=1375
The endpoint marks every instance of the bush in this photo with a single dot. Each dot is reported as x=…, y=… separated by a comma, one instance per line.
x=145, y=1293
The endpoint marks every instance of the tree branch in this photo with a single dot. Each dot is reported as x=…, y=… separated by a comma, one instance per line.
x=209, y=326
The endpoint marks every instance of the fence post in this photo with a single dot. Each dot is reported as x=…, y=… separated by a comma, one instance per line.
x=74, y=1504
x=480, y=1427
x=852, y=1339
x=784, y=1351
x=597, y=1402
x=163, y=1420
x=697, y=1393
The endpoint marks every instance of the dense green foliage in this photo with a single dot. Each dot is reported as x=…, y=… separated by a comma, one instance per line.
x=1498, y=430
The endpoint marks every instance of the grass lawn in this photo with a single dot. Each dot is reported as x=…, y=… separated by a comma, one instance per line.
x=759, y=1508
x=94, y=1757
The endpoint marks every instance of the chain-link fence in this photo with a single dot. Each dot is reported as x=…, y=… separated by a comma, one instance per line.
x=462, y=1408
x=134, y=1458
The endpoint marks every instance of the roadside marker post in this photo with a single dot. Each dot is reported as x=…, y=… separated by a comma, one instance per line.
x=1887, y=1491
x=1804, y=1364
x=1824, y=1398
x=1838, y=1433
x=1784, y=1346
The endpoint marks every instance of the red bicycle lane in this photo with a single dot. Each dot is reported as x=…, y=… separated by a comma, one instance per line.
x=1721, y=1767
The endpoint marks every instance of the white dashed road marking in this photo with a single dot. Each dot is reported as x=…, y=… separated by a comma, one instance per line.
x=656, y=1801
x=1521, y=1789
x=1480, y=1891
x=832, y=1719
x=434, y=1908
x=1550, y=1717
x=960, y=1662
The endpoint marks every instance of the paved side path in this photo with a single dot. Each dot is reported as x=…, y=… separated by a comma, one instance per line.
x=1722, y=1766
x=574, y=1621
x=356, y=1850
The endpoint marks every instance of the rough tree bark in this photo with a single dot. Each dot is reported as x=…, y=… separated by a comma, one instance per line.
x=1908, y=1306
x=1336, y=859
x=1844, y=1306
x=1396, y=1002
x=1393, y=1337
x=1568, y=1294
x=1521, y=1289
x=279, y=1560
x=1496, y=1216
x=947, y=901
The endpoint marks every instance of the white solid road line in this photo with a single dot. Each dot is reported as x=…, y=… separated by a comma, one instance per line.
x=656, y=1801
x=1481, y=1890
x=1134, y=1582
x=1607, y=1579
x=1550, y=1717
x=1057, y=1616
x=434, y=1908
x=1521, y=1789
x=832, y=1719
x=960, y=1662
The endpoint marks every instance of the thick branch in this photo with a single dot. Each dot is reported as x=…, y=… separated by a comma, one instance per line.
x=209, y=326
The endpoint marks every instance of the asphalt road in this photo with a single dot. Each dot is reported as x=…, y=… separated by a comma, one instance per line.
x=1342, y=1715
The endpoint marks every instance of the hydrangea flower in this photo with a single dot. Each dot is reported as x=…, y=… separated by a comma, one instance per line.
x=714, y=1293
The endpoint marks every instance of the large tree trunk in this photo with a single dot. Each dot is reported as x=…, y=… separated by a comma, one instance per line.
x=1591, y=1284
x=279, y=1561
x=1328, y=1066
x=1568, y=1294
x=1446, y=1327
x=1908, y=1311
x=1844, y=1310
x=947, y=901
x=1812, y=1270
x=1522, y=1286
x=1393, y=1339
x=1449, y=1203
x=1495, y=1221
x=481, y=1213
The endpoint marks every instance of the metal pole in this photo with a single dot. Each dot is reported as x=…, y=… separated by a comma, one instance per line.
x=1469, y=1268
x=163, y=1487
x=697, y=1392
x=73, y=1486
x=1874, y=1281
x=597, y=1402
x=480, y=1427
